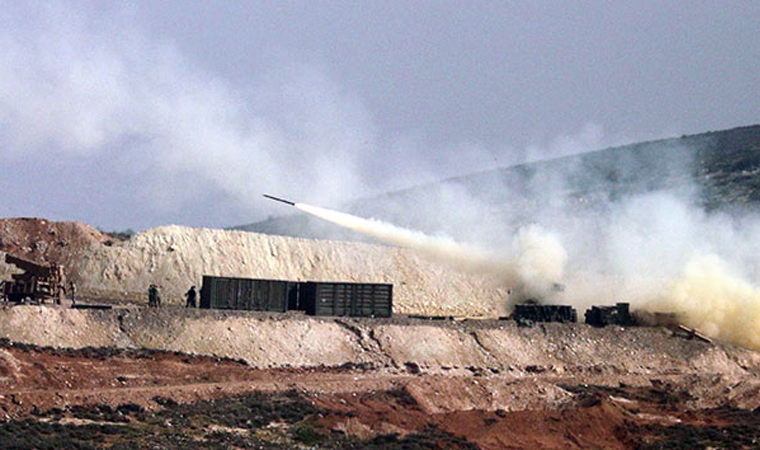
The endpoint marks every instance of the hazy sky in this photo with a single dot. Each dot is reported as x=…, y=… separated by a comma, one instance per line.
x=137, y=114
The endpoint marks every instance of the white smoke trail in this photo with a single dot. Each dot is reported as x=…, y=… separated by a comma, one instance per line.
x=538, y=265
x=705, y=295
x=440, y=248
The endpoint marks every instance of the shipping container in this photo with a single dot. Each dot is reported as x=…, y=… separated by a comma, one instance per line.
x=347, y=299
x=248, y=294
x=600, y=316
x=531, y=312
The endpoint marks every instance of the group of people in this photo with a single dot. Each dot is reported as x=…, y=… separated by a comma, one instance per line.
x=154, y=298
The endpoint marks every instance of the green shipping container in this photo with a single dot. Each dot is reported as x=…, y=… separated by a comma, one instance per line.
x=347, y=299
x=247, y=294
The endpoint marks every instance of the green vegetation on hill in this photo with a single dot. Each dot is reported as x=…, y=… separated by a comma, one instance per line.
x=717, y=170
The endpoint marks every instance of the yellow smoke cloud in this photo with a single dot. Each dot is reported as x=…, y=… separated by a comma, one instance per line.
x=707, y=296
x=711, y=298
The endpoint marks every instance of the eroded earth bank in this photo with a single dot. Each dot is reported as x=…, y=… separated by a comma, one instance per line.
x=134, y=377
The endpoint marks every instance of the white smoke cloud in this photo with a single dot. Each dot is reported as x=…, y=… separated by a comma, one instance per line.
x=657, y=249
x=661, y=253
x=533, y=269
x=540, y=263
x=72, y=84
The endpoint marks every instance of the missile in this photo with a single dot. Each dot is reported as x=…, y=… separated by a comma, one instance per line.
x=287, y=202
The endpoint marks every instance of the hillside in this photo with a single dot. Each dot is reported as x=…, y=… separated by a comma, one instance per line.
x=138, y=377
x=714, y=170
x=177, y=257
x=216, y=379
x=45, y=241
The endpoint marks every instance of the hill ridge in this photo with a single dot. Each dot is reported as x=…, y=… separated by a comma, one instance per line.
x=715, y=168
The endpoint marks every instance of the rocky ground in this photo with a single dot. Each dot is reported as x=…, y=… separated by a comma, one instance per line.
x=115, y=398
x=140, y=378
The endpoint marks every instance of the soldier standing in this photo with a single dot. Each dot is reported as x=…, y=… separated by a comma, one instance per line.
x=191, y=295
x=73, y=292
x=152, y=296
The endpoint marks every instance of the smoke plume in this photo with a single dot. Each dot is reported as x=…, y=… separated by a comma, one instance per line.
x=531, y=272
x=657, y=249
x=128, y=130
x=710, y=297
x=105, y=99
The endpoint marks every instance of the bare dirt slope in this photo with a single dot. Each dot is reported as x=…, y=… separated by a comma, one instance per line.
x=42, y=240
x=53, y=398
x=276, y=340
x=45, y=241
x=177, y=257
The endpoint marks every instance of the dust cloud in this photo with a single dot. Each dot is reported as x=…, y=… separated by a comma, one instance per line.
x=667, y=254
x=653, y=251
x=711, y=298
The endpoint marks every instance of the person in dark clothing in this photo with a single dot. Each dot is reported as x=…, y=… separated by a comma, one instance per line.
x=153, y=296
x=191, y=296
x=73, y=292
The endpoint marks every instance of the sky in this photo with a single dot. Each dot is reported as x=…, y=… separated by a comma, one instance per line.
x=146, y=113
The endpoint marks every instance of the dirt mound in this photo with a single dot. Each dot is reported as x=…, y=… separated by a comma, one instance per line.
x=177, y=257
x=44, y=241
x=400, y=345
x=41, y=240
